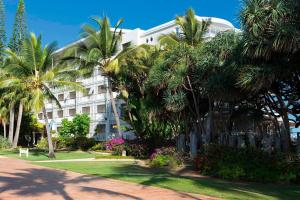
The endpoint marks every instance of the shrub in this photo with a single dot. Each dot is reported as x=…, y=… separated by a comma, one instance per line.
x=114, y=142
x=67, y=129
x=4, y=143
x=81, y=125
x=42, y=144
x=98, y=147
x=136, y=149
x=78, y=127
x=247, y=164
x=166, y=157
x=83, y=143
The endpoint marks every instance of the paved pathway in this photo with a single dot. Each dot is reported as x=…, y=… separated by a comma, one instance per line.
x=20, y=180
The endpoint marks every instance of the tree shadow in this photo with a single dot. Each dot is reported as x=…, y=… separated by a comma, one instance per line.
x=35, y=182
x=162, y=178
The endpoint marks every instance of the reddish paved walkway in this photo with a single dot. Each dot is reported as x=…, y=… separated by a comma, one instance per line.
x=20, y=180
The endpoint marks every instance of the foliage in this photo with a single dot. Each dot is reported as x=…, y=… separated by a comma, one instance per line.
x=33, y=72
x=247, y=164
x=4, y=143
x=117, y=145
x=81, y=125
x=67, y=129
x=114, y=142
x=2, y=29
x=42, y=144
x=138, y=149
x=101, y=146
x=78, y=127
x=74, y=143
x=166, y=157
x=19, y=29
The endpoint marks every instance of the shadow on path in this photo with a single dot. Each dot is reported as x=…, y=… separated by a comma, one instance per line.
x=36, y=182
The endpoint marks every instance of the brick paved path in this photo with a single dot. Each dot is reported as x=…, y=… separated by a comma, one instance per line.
x=20, y=180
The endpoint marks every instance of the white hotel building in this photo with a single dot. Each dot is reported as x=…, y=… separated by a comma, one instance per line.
x=97, y=102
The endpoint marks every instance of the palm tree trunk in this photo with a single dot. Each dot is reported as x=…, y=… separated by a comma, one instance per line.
x=11, y=123
x=17, y=133
x=51, y=153
x=114, y=107
x=4, y=129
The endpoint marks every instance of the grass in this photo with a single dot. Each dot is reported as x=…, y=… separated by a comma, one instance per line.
x=35, y=155
x=113, y=157
x=129, y=171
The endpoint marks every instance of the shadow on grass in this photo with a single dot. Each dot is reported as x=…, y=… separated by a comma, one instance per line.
x=202, y=185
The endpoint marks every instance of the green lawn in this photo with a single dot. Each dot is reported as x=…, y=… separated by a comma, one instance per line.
x=40, y=155
x=128, y=171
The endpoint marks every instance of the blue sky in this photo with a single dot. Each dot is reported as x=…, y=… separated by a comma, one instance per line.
x=61, y=20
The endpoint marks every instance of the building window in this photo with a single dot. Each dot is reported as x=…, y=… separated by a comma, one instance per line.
x=87, y=92
x=72, y=95
x=61, y=97
x=151, y=39
x=100, y=108
x=40, y=115
x=60, y=113
x=147, y=41
x=101, y=89
x=50, y=115
x=86, y=110
x=72, y=112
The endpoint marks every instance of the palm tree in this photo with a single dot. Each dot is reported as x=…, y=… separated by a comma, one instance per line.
x=191, y=32
x=35, y=71
x=101, y=48
x=3, y=115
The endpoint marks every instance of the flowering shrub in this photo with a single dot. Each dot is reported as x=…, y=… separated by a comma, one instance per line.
x=114, y=142
x=166, y=157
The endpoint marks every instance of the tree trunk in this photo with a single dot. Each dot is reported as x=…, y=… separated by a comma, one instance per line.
x=51, y=153
x=198, y=122
x=286, y=124
x=4, y=129
x=114, y=107
x=209, y=133
x=11, y=123
x=17, y=133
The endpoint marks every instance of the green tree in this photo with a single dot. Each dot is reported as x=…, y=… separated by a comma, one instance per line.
x=81, y=125
x=171, y=78
x=19, y=29
x=2, y=29
x=36, y=71
x=101, y=48
x=272, y=39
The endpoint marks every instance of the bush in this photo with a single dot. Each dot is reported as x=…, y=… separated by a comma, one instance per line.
x=4, y=143
x=137, y=149
x=78, y=127
x=247, y=164
x=99, y=147
x=42, y=144
x=166, y=157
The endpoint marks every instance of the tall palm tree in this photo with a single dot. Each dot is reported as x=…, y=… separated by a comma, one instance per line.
x=35, y=71
x=101, y=49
